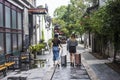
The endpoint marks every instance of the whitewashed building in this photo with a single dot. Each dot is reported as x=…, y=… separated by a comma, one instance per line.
x=44, y=26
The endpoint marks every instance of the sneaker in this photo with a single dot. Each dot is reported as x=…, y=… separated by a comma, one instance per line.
x=72, y=64
x=58, y=65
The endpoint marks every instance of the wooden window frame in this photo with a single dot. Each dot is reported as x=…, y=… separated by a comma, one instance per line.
x=5, y=30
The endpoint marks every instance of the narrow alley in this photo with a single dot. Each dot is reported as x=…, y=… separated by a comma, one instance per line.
x=59, y=39
x=90, y=69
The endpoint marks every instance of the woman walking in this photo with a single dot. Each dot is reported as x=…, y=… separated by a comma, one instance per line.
x=56, y=44
x=71, y=46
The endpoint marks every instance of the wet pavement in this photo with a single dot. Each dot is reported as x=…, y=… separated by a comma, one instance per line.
x=71, y=73
x=91, y=68
x=99, y=70
x=44, y=65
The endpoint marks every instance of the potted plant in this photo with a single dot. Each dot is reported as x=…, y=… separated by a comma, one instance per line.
x=33, y=50
x=40, y=46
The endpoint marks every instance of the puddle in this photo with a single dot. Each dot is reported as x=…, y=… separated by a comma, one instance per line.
x=41, y=62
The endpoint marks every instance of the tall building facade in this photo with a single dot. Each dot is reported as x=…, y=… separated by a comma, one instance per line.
x=15, y=25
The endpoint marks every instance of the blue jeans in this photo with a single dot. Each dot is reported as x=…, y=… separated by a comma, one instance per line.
x=55, y=53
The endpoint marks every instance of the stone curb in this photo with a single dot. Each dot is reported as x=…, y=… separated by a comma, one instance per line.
x=91, y=73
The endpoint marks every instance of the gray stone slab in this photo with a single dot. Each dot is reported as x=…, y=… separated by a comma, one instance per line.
x=104, y=72
x=77, y=76
x=68, y=73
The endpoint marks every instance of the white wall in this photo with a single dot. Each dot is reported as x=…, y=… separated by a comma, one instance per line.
x=38, y=29
x=42, y=26
x=48, y=33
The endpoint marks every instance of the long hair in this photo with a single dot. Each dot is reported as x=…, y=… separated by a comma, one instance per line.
x=73, y=37
x=56, y=37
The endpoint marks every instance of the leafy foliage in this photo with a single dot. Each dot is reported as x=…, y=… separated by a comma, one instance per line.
x=60, y=11
x=106, y=21
x=113, y=11
x=70, y=17
x=37, y=47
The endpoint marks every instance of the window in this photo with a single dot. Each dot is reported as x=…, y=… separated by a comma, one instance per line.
x=7, y=17
x=13, y=19
x=1, y=15
x=20, y=42
x=19, y=20
x=8, y=43
x=1, y=43
x=14, y=38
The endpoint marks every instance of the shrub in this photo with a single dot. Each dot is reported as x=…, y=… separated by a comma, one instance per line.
x=37, y=47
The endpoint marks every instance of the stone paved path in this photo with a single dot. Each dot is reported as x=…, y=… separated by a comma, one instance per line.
x=71, y=73
x=96, y=69
x=101, y=70
x=35, y=73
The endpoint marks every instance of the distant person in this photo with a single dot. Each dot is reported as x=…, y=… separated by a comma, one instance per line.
x=86, y=40
x=56, y=44
x=71, y=47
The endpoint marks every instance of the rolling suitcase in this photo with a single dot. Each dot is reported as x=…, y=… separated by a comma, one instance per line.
x=77, y=59
x=64, y=60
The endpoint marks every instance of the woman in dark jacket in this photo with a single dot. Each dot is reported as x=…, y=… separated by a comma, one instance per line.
x=71, y=46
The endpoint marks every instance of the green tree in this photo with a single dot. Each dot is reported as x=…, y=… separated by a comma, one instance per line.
x=75, y=11
x=71, y=16
x=113, y=11
x=106, y=23
x=60, y=11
